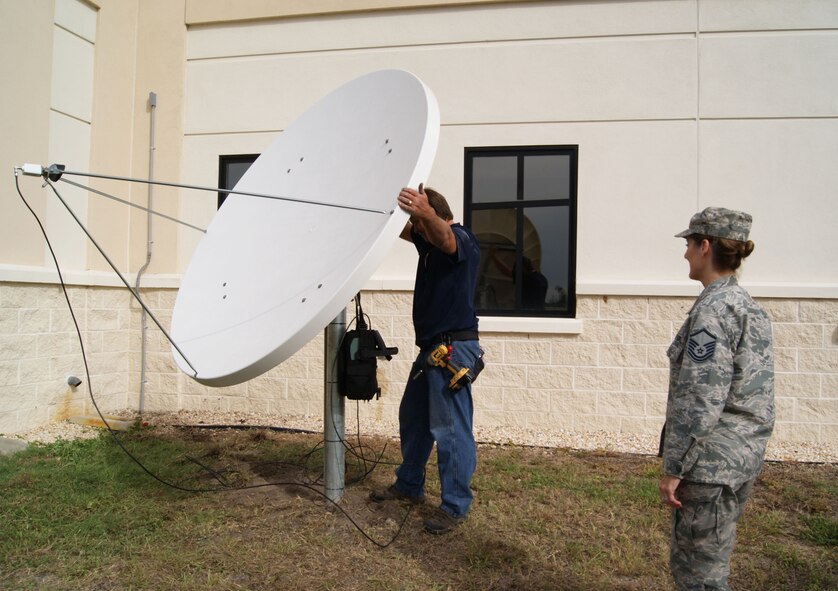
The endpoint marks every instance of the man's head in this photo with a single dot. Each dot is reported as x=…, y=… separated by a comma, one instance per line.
x=439, y=204
x=440, y=207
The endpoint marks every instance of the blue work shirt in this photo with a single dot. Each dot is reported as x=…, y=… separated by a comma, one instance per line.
x=443, y=296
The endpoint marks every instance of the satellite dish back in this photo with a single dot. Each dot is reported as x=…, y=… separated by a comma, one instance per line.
x=270, y=274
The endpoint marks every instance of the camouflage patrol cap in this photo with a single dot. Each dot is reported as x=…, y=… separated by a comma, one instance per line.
x=719, y=222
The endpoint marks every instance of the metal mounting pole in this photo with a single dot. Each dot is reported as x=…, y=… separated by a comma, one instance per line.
x=334, y=453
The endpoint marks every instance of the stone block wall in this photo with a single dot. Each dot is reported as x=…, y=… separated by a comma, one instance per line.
x=40, y=349
x=610, y=377
x=614, y=375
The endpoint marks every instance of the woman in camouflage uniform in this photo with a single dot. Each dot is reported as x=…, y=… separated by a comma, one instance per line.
x=720, y=408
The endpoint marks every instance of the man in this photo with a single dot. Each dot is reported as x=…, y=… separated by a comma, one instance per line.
x=443, y=313
x=720, y=409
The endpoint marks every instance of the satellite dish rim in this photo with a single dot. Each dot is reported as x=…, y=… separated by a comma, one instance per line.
x=347, y=285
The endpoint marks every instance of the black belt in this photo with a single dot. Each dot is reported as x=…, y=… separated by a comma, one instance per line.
x=450, y=337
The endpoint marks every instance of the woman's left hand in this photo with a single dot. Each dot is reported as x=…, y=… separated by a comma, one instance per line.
x=667, y=487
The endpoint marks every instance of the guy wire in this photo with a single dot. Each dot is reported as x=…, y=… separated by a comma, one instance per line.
x=115, y=270
x=218, y=190
x=135, y=205
x=114, y=434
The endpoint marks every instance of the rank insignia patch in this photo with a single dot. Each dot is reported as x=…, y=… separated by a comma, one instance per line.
x=701, y=346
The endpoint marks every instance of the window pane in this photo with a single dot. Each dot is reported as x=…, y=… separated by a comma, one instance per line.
x=547, y=245
x=235, y=171
x=544, y=256
x=495, y=230
x=494, y=178
x=546, y=177
x=230, y=171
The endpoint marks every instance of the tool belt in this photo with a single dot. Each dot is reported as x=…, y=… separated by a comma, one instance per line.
x=441, y=357
x=450, y=337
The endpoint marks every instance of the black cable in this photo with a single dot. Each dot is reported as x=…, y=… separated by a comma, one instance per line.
x=358, y=321
x=116, y=436
x=215, y=474
x=366, y=472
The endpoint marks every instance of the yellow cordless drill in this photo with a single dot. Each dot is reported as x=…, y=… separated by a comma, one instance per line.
x=441, y=357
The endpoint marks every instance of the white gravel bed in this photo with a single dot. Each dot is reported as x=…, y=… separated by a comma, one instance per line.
x=589, y=440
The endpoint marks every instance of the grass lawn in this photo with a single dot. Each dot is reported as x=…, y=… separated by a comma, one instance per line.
x=83, y=515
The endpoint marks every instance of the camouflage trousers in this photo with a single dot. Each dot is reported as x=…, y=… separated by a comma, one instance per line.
x=703, y=534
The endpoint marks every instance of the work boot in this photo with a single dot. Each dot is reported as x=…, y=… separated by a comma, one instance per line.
x=442, y=522
x=391, y=493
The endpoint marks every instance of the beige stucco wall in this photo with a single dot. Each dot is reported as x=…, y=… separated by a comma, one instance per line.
x=92, y=119
x=675, y=106
x=223, y=11
x=24, y=119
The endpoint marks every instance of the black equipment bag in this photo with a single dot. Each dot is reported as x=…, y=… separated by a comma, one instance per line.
x=358, y=358
x=359, y=377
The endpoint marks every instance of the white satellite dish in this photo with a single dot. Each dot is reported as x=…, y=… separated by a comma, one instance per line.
x=270, y=274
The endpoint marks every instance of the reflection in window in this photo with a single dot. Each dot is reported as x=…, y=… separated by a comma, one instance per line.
x=527, y=235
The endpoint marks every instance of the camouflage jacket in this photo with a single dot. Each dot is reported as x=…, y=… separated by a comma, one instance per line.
x=720, y=408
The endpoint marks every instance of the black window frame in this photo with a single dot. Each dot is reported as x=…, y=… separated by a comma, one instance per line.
x=224, y=162
x=520, y=204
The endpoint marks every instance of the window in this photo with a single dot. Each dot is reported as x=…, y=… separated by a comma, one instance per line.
x=520, y=202
x=230, y=170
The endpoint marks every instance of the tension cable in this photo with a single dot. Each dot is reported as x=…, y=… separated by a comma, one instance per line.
x=55, y=171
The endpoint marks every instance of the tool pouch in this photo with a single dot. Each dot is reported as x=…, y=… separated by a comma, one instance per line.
x=479, y=364
x=471, y=374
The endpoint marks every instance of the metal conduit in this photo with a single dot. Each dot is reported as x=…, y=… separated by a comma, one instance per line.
x=152, y=105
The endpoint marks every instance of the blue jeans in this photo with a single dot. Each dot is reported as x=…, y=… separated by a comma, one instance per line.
x=430, y=411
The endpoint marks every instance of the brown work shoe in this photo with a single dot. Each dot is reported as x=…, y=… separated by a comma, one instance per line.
x=391, y=493
x=442, y=522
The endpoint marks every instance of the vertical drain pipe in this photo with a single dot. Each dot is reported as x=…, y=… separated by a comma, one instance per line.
x=334, y=452
x=152, y=105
